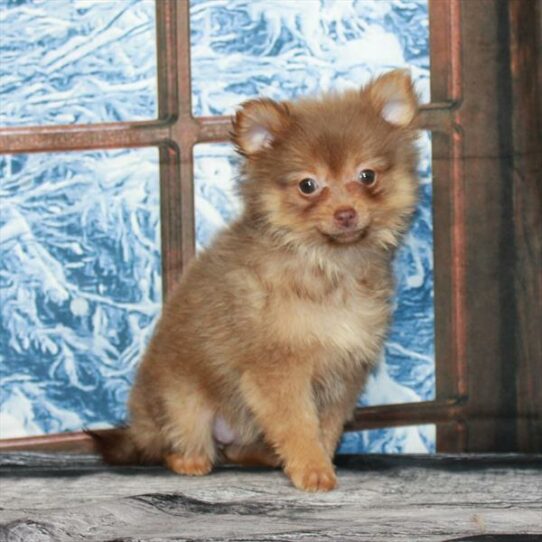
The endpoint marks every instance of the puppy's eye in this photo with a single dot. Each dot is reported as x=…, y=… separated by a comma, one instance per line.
x=367, y=177
x=308, y=186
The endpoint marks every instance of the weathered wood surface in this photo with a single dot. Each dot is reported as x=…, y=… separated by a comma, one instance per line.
x=381, y=498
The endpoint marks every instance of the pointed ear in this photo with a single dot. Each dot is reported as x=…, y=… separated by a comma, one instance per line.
x=393, y=96
x=258, y=124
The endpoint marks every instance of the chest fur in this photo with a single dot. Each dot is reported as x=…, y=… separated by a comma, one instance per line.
x=344, y=316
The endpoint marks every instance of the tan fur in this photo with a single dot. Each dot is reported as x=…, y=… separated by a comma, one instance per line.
x=275, y=326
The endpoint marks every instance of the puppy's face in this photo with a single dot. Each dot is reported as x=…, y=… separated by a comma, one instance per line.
x=339, y=170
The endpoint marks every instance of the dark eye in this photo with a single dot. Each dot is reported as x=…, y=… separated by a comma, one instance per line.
x=308, y=186
x=367, y=176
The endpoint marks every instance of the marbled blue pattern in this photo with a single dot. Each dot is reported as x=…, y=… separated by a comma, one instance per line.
x=287, y=48
x=283, y=49
x=80, y=283
x=77, y=61
x=79, y=232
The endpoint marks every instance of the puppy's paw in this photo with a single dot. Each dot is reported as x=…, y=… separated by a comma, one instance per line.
x=188, y=465
x=251, y=456
x=313, y=478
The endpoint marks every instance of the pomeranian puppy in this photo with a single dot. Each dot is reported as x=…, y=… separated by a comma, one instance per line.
x=266, y=342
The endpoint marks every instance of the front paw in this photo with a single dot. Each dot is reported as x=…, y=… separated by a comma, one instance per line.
x=188, y=465
x=312, y=477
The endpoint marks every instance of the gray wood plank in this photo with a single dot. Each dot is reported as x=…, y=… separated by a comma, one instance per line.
x=61, y=497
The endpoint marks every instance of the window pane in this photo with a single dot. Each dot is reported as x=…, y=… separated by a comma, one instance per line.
x=217, y=204
x=80, y=283
x=410, y=347
x=77, y=61
x=412, y=439
x=282, y=49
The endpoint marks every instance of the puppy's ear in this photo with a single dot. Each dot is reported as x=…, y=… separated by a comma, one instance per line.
x=258, y=124
x=393, y=96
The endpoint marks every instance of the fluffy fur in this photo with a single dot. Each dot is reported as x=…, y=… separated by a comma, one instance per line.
x=266, y=342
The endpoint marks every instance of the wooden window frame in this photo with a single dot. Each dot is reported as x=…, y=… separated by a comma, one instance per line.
x=488, y=359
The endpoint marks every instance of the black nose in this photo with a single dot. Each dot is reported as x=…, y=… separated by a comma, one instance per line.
x=345, y=217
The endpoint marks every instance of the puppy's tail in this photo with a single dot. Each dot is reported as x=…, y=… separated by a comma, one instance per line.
x=117, y=447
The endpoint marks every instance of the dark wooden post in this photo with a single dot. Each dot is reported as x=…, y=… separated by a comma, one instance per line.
x=488, y=168
x=525, y=20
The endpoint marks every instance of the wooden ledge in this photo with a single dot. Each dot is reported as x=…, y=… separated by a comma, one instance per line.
x=486, y=498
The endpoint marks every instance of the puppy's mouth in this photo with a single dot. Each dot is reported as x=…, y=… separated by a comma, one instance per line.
x=344, y=237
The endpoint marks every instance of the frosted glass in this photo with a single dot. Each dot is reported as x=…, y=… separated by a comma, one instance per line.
x=80, y=283
x=77, y=61
x=79, y=232
x=410, y=439
x=283, y=49
x=287, y=48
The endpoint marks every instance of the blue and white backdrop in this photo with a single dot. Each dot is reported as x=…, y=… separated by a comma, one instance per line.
x=80, y=280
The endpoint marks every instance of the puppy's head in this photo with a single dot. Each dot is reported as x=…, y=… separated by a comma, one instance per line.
x=339, y=170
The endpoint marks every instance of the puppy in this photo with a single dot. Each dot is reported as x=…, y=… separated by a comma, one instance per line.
x=266, y=342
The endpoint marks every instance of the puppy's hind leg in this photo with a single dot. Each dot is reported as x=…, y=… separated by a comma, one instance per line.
x=258, y=454
x=189, y=434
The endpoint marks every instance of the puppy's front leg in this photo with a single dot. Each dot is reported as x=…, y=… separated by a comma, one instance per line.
x=281, y=400
x=334, y=416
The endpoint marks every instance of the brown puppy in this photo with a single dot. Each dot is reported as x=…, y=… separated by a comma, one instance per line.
x=265, y=344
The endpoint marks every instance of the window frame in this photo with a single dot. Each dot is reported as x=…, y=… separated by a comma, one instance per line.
x=468, y=63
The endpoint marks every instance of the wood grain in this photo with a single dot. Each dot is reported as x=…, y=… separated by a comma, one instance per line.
x=381, y=498
x=526, y=182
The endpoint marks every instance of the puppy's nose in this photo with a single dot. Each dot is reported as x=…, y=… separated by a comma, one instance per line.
x=345, y=217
